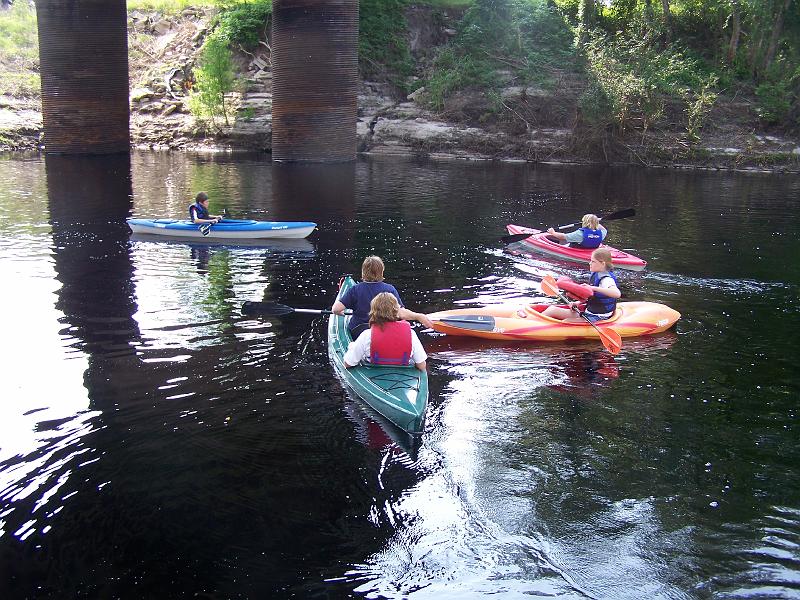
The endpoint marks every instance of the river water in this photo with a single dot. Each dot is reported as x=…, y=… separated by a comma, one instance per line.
x=156, y=443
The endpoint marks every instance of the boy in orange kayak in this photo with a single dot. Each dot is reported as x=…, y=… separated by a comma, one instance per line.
x=389, y=339
x=603, y=283
x=590, y=235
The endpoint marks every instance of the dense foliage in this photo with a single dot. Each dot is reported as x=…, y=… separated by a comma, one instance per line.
x=641, y=57
x=382, y=47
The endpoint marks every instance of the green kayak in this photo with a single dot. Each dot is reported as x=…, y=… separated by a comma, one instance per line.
x=398, y=393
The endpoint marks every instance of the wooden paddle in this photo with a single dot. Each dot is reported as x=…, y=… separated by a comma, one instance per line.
x=274, y=309
x=610, y=338
x=620, y=214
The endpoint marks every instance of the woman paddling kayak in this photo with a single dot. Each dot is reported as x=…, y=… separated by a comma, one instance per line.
x=590, y=235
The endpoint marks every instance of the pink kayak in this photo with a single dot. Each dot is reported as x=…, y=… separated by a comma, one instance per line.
x=540, y=242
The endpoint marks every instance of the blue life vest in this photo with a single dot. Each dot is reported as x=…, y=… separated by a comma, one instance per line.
x=592, y=238
x=200, y=211
x=599, y=303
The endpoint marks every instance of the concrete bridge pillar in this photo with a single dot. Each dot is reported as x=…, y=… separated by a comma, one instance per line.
x=314, y=80
x=83, y=55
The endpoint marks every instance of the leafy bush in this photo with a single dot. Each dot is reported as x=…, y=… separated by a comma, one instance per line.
x=244, y=23
x=381, y=41
x=774, y=100
x=214, y=77
x=455, y=71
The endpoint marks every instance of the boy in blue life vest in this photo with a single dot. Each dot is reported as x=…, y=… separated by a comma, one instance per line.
x=198, y=212
x=359, y=297
x=603, y=302
x=590, y=235
x=389, y=339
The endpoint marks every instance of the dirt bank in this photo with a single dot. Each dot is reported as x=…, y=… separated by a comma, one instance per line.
x=536, y=124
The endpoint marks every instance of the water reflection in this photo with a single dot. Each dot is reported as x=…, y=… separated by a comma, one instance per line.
x=88, y=201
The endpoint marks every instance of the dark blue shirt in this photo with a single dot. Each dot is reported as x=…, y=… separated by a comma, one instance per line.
x=358, y=297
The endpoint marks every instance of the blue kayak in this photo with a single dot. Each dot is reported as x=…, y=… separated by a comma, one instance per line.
x=229, y=229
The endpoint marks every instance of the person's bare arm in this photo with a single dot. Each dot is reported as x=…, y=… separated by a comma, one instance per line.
x=409, y=315
x=557, y=234
x=338, y=308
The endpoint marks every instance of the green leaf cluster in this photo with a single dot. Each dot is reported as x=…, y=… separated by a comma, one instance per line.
x=244, y=23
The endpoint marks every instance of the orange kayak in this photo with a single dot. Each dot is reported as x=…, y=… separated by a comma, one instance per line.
x=526, y=322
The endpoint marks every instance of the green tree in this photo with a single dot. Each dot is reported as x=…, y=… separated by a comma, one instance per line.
x=214, y=77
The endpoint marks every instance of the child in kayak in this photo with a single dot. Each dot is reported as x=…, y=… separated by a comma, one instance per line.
x=603, y=302
x=389, y=339
x=359, y=297
x=198, y=212
x=590, y=235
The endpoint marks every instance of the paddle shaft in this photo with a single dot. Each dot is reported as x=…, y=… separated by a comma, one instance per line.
x=620, y=214
x=276, y=309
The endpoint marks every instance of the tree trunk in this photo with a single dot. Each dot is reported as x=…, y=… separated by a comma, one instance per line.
x=586, y=14
x=777, y=30
x=736, y=30
x=667, y=40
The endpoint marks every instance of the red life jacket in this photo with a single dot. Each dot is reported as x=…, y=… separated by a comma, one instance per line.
x=390, y=345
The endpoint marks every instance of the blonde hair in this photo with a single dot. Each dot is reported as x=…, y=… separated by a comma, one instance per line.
x=604, y=256
x=372, y=269
x=384, y=308
x=591, y=221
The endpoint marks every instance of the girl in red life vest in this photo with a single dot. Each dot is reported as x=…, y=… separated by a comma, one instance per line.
x=590, y=235
x=603, y=301
x=389, y=340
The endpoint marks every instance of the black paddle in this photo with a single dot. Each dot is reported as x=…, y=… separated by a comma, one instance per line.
x=620, y=214
x=206, y=227
x=275, y=310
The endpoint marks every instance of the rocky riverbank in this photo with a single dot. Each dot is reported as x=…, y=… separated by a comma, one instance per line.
x=541, y=126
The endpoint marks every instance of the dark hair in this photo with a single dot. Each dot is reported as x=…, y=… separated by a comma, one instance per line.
x=201, y=197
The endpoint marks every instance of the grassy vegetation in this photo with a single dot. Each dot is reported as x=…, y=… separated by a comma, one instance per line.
x=19, y=51
x=382, y=47
x=526, y=38
x=175, y=6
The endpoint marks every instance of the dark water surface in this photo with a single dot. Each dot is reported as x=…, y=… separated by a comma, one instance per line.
x=155, y=443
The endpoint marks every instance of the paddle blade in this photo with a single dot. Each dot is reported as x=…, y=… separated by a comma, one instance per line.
x=550, y=287
x=272, y=309
x=517, y=237
x=611, y=339
x=620, y=214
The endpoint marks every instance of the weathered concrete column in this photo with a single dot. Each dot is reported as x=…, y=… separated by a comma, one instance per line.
x=83, y=56
x=314, y=80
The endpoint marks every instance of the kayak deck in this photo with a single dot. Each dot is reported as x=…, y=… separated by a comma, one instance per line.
x=540, y=241
x=515, y=322
x=400, y=394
